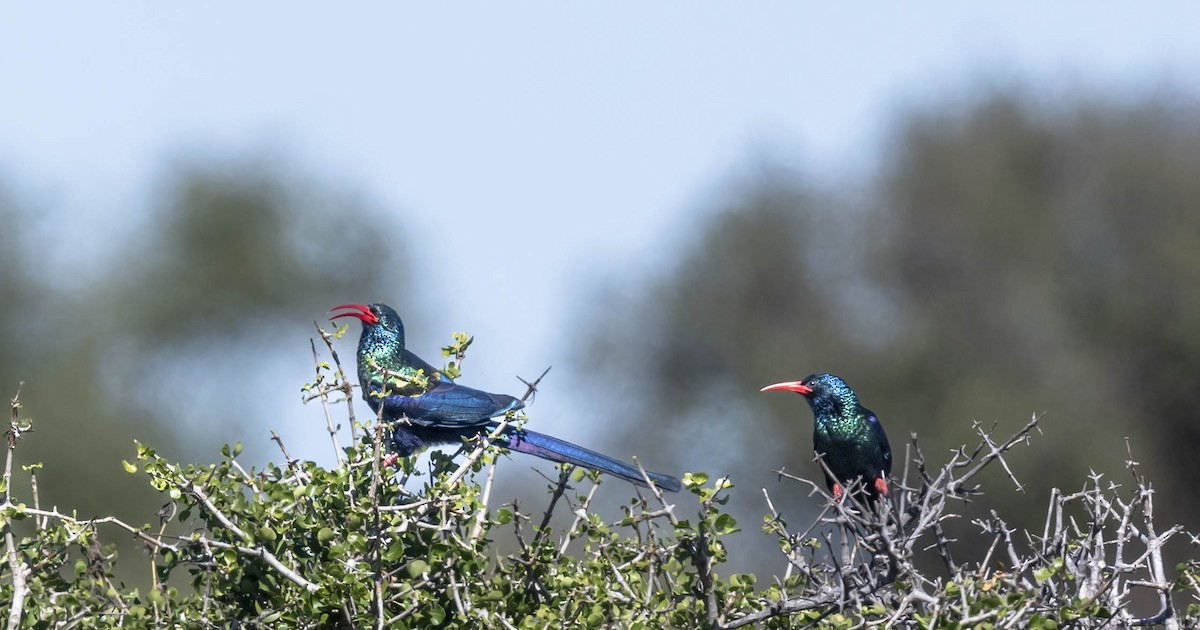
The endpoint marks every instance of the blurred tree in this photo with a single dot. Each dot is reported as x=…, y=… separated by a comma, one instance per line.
x=1048, y=259
x=1019, y=258
x=683, y=359
x=242, y=242
x=180, y=343
x=15, y=284
x=221, y=300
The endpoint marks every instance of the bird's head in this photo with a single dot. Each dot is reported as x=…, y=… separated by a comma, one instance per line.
x=360, y=311
x=373, y=316
x=822, y=390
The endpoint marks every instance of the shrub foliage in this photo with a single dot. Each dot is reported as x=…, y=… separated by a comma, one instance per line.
x=297, y=544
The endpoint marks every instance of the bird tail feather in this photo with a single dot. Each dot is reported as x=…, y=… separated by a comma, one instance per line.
x=556, y=450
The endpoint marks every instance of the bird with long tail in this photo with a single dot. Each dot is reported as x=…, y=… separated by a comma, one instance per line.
x=427, y=408
x=847, y=434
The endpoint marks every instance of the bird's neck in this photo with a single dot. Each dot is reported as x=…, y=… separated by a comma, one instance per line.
x=382, y=369
x=835, y=409
x=827, y=409
x=382, y=347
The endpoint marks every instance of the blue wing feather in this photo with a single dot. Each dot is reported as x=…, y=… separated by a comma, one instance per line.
x=448, y=405
x=415, y=362
x=556, y=450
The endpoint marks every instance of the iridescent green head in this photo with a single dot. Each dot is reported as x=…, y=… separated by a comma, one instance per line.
x=381, y=324
x=828, y=394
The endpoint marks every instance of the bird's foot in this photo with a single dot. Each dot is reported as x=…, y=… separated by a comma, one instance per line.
x=837, y=492
x=390, y=460
x=881, y=486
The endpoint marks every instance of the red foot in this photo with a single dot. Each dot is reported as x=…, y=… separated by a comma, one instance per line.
x=881, y=486
x=390, y=460
x=837, y=492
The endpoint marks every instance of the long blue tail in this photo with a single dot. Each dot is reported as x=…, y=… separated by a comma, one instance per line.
x=556, y=450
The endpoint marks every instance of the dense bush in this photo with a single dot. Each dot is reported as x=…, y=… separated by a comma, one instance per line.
x=301, y=545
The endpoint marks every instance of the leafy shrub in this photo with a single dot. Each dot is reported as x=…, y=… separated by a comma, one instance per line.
x=300, y=545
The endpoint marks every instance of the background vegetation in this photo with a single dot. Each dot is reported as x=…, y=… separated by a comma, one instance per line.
x=1012, y=256
x=300, y=545
x=1008, y=255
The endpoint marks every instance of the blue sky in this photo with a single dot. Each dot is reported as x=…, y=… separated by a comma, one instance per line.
x=558, y=142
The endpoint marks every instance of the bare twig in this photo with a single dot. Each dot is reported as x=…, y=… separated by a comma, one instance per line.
x=346, y=386
x=376, y=550
x=18, y=568
x=324, y=397
x=481, y=515
x=531, y=388
x=564, y=476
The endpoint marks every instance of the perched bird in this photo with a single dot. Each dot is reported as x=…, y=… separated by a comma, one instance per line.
x=398, y=384
x=847, y=433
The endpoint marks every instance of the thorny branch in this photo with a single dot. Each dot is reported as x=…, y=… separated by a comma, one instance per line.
x=16, y=567
x=1070, y=567
x=1097, y=561
x=189, y=486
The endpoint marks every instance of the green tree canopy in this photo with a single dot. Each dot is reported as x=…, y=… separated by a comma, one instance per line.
x=1014, y=257
x=173, y=340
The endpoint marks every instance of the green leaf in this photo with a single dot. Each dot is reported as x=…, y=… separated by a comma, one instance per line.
x=1045, y=573
x=417, y=568
x=1038, y=622
x=129, y=468
x=325, y=534
x=725, y=524
x=394, y=552
x=436, y=614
